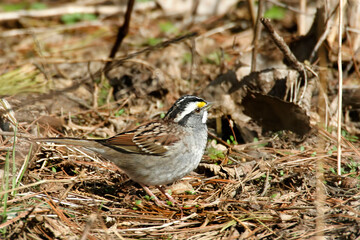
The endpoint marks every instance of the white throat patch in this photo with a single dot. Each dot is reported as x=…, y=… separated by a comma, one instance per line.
x=204, y=118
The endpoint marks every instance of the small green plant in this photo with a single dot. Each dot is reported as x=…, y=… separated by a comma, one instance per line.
x=274, y=195
x=22, y=5
x=215, y=154
x=5, y=186
x=333, y=149
x=186, y=58
x=38, y=6
x=264, y=176
x=17, y=180
x=213, y=58
x=232, y=140
x=228, y=225
x=168, y=27
x=77, y=17
x=119, y=113
x=101, y=205
x=168, y=202
x=13, y=7
x=275, y=12
x=190, y=192
x=153, y=41
x=12, y=179
x=255, y=140
x=352, y=168
x=24, y=79
x=103, y=93
x=347, y=136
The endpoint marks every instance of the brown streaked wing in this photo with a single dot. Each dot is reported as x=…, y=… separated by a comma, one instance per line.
x=124, y=141
x=155, y=138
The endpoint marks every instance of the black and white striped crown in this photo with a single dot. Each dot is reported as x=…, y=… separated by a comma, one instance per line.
x=184, y=106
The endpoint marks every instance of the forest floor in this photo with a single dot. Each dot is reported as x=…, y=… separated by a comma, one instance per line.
x=256, y=180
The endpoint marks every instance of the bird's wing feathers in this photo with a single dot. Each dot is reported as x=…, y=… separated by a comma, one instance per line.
x=122, y=141
x=151, y=138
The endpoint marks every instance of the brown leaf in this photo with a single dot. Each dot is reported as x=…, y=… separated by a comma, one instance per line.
x=274, y=114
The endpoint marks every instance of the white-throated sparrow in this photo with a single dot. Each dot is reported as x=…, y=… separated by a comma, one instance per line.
x=159, y=152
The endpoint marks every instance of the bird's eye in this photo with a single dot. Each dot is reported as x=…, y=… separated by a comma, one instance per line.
x=197, y=110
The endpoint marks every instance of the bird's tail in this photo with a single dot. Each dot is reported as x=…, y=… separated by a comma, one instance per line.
x=70, y=141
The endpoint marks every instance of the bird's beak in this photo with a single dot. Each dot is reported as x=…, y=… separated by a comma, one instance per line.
x=209, y=105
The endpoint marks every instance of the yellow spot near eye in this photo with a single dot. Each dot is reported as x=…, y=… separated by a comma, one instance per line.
x=201, y=104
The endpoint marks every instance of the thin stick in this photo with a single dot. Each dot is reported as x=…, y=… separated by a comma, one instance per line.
x=70, y=180
x=279, y=41
x=252, y=11
x=324, y=35
x=301, y=18
x=257, y=31
x=120, y=61
x=340, y=89
x=193, y=57
x=123, y=31
x=58, y=11
x=356, y=67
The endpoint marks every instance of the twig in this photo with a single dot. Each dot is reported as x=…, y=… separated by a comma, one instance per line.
x=340, y=89
x=301, y=18
x=266, y=184
x=123, y=30
x=194, y=9
x=19, y=135
x=252, y=11
x=219, y=140
x=257, y=31
x=356, y=66
x=217, y=30
x=300, y=11
x=193, y=59
x=323, y=36
x=161, y=226
x=70, y=180
x=49, y=30
x=52, y=12
x=279, y=41
x=118, y=62
x=90, y=222
x=320, y=196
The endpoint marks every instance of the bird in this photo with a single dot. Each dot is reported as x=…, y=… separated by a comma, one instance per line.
x=159, y=152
